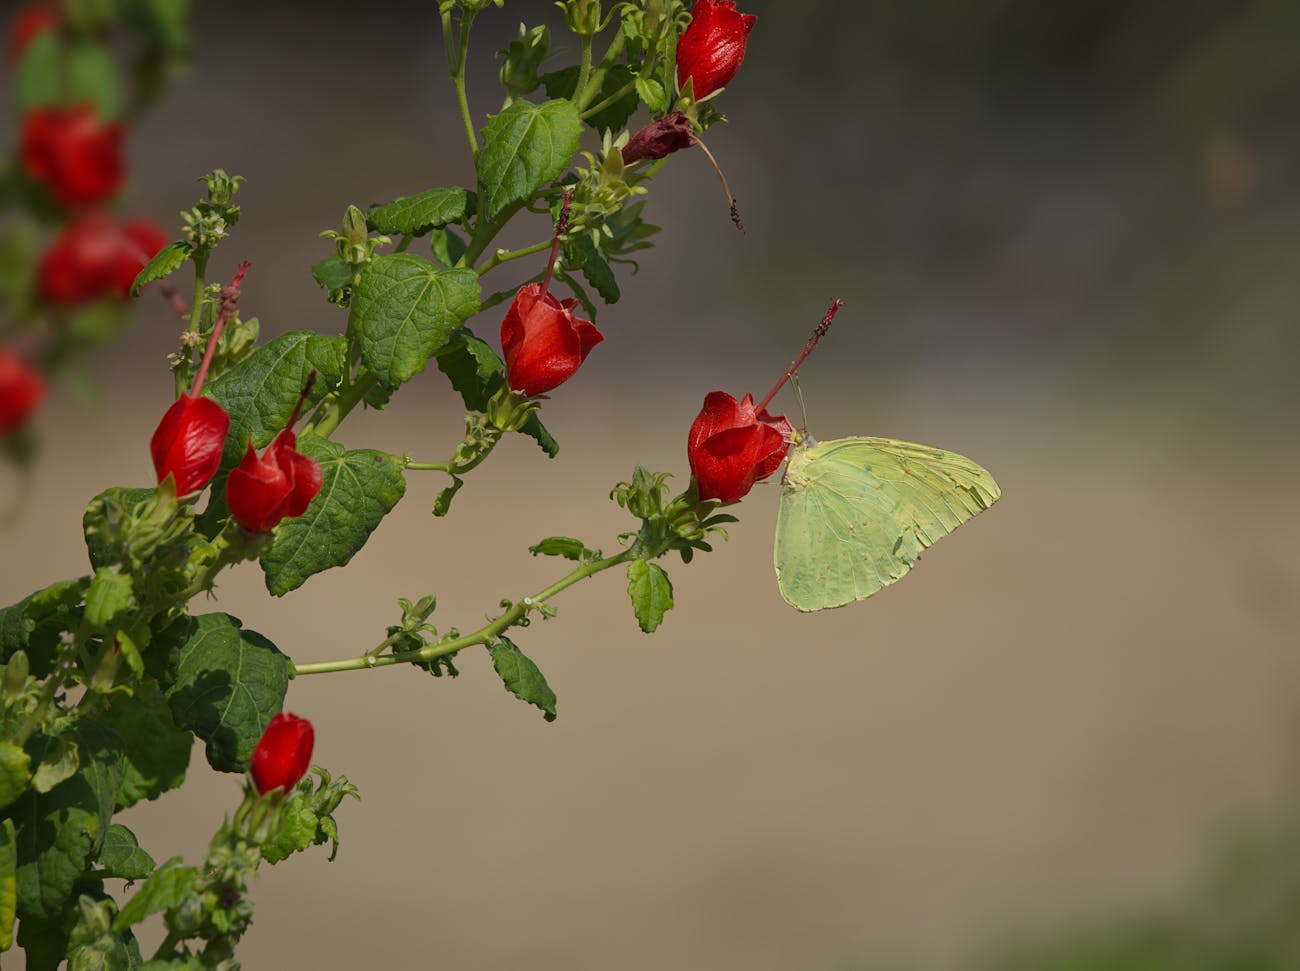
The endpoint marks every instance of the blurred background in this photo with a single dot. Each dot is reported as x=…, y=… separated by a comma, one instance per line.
x=1066, y=236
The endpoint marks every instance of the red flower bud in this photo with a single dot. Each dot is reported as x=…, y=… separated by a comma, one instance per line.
x=713, y=46
x=21, y=389
x=31, y=23
x=282, y=483
x=95, y=257
x=188, y=442
x=543, y=342
x=283, y=754
x=732, y=445
x=660, y=138
x=74, y=155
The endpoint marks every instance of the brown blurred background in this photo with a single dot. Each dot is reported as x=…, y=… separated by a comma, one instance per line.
x=1065, y=234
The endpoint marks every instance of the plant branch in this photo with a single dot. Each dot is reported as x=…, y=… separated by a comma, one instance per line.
x=505, y=256
x=456, y=66
x=485, y=635
x=583, y=95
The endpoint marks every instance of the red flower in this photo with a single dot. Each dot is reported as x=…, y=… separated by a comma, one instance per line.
x=732, y=445
x=263, y=491
x=95, y=257
x=660, y=138
x=73, y=154
x=21, y=389
x=283, y=754
x=30, y=24
x=188, y=442
x=543, y=342
x=713, y=46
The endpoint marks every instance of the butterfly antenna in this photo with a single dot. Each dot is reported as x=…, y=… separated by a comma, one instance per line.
x=818, y=333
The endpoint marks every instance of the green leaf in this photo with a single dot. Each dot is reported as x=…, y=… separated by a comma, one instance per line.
x=404, y=309
x=442, y=504
x=651, y=593
x=167, y=887
x=596, y=269
x=561, y=84
x=229, y=683
x=8, y=883
x=652, y=93
x=335, y=275
x=167, y=261
x=92, y=77
x=359, y=489
x=522, y=677
x=15, y=772
x=416, y=215
x=447, y=246
x=157, y=751
x=477, y=373
x=109, y=596
x=260, y=392
x=60, y=831
x=36, y=624
x=59, y=760
x=565, y=546
x=121, y=855
x=525, y=147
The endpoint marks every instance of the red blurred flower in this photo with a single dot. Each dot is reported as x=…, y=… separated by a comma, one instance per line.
x=188, y=442
x=283, y=755
x=96, y=257
x=21, y=389
x=74, y=155
x=732, y=445
x=30, y=24
x=282, y=483
x=543, y=342
x=713, y=46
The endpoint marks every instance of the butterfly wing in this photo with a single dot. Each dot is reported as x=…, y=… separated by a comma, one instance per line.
x=856, y=513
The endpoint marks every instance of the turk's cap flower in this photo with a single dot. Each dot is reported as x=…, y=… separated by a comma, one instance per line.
x=22, y=387
x=187, y=443
x=261, y=492
x=713, y=46
x=732, y=445
x=283, y=754
x=74, y=155
x=660, y=138
x=543, y=341
x=95, y=257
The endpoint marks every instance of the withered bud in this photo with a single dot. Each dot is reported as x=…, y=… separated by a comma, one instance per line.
x=660, y=138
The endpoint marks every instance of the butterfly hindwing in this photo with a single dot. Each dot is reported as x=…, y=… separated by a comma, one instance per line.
x=857, y=512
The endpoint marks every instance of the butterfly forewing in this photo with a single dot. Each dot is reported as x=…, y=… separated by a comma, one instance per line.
x=857, y=512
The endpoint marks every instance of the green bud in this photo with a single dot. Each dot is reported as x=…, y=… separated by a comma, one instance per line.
x=523, y=59
x=582, y=16
x=15, y=679
x=355, y=230
x=221, y=187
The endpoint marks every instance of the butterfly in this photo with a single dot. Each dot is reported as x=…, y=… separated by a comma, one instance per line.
x=856, y=513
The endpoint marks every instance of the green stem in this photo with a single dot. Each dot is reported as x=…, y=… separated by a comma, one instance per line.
x=450, y=466
x=336, y=410
x=583, y=95
x=584, y=69
x=456, y=67
x=505, y=256
x=168, y=946
x=186, y=371
x=403, y=243
x=485, y=230
x=616, y=96
x=484, y=635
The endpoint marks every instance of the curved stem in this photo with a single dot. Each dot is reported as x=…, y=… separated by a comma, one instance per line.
x=621, y=93
x=584, y=69
x=456, y=67
x=334, y=411
x=484, y=635
x=505, y=256
x=583, y=95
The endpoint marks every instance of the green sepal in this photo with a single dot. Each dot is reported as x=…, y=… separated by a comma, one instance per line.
x=651, y=593
x=359, y=489
x=561, y=84
x=522, y=677
x=525, y=147
x=121, y=855
x=442, y=504
x=168, y=886
x=101, y=522
x=652, y=93
x=567, y=547
x=418, y=214
x=157, y=751
x=229, y=684
x=404, y=310
x=306, y=818
x=260, y=393
x=108, y=597
x=477, y=373
x=166, y=261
